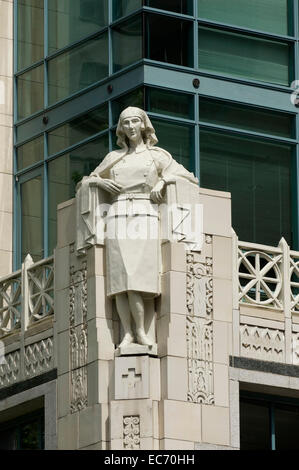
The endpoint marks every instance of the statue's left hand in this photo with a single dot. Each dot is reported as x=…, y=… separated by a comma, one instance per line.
x=157, y=192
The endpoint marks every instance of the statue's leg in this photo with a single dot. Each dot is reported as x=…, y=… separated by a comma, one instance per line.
x=123, y=310
x=137, y=309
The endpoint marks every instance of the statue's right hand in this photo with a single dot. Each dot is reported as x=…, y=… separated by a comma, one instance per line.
x=109, y=185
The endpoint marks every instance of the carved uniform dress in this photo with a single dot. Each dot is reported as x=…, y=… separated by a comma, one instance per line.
x=133, y=245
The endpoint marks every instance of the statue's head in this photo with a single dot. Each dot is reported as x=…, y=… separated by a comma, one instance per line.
x=147, y=130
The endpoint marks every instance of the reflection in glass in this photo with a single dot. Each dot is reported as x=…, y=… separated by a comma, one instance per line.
x=266, y=15
x=32, y=218
x=65, y=172
x=77, y=69
x=246, y=117
x=127, y=43
x=72, y=20
x=178, y=6
x=178, y=140
x=170, y=103
x=169, y=40
x=254, y=425
x=134, y=98
x=30, y=153
x=125, y=7
x=258, y=176
x=30, y=92
x=30, y=32
x=78, y=129
x=244, y=56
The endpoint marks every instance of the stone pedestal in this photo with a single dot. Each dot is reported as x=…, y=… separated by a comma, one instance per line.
x=174, y=395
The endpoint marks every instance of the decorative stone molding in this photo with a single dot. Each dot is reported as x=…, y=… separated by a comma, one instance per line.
x=10, y=304
x=295, y=348
x=78, y=337
x=39, y=357
x=41, y=290
x=199, y=329
x=262, y=343
x=10, y=369
x=131, y=432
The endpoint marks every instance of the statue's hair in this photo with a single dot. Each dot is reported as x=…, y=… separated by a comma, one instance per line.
x=148, y=133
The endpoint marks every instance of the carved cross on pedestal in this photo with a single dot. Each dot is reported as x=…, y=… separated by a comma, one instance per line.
x=131, y=378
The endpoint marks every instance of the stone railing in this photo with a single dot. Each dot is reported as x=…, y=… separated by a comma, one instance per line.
x=26, y=337
x=26, y=296
x=266, y=294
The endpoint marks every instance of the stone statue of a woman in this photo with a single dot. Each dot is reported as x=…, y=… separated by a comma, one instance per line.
x=135, y=177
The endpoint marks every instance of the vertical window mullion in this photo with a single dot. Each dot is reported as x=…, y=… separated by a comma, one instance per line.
x=45, y=197
x=197, y=138
x=46, y=52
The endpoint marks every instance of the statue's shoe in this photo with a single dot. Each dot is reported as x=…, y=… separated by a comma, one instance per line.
x=144, y=339
x=128, y=339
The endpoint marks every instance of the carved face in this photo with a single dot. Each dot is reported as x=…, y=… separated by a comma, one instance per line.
x=132, y=127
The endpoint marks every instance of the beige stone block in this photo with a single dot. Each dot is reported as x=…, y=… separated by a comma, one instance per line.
x=100, y=382
x=5, y=119
x=93, y=425
x=221, y=385
x=155, y=379
x=63, y=395
x=66, y=223
x=6, y=97
x=62, y=309
x=222, y=257
x=174, y=378
x=6, y=64
x=222, y=300
x=5, y=263
x=6, y=19
x=98, y=305
x=180, y=420
x=173, y=286
x=171, y=335
x=100, y=340
x=221, y=342
x=234, y=398
x=215, y=425
x=6, y=149
x=125, y=408
x=173, y=257
x=68, y=432
x=132, y=377
x=103, y=445
x=96, y=261
x=62, y=268
x=174, y=444
x=6, y=183
x=63, y=352
x=5, y=231
x=216, y=213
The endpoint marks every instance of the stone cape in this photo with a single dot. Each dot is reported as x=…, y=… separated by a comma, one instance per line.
x=115, y=460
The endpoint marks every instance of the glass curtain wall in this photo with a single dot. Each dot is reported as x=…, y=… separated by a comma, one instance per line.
x=232, y=146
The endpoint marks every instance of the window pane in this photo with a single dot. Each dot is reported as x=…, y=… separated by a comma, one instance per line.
x=72, y=71
x=32, y=218
x=124, y=7
x=66, y=171
x=127, y=43
x=170, y=103
x=244, y=56
x=178, y=140
x=30, y=153
x=30, y=32
x=258, y=176
x=286, y=427
x=78, y=129
x=246, y=117
x=31, y=435
x=254, y=425
x=72, y=20
x=135, y=98
x=170, y=40
x=179, y=6
x=267, y=15
x=30, y=92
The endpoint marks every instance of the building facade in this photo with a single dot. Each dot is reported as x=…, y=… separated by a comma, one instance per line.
x=218, y=79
